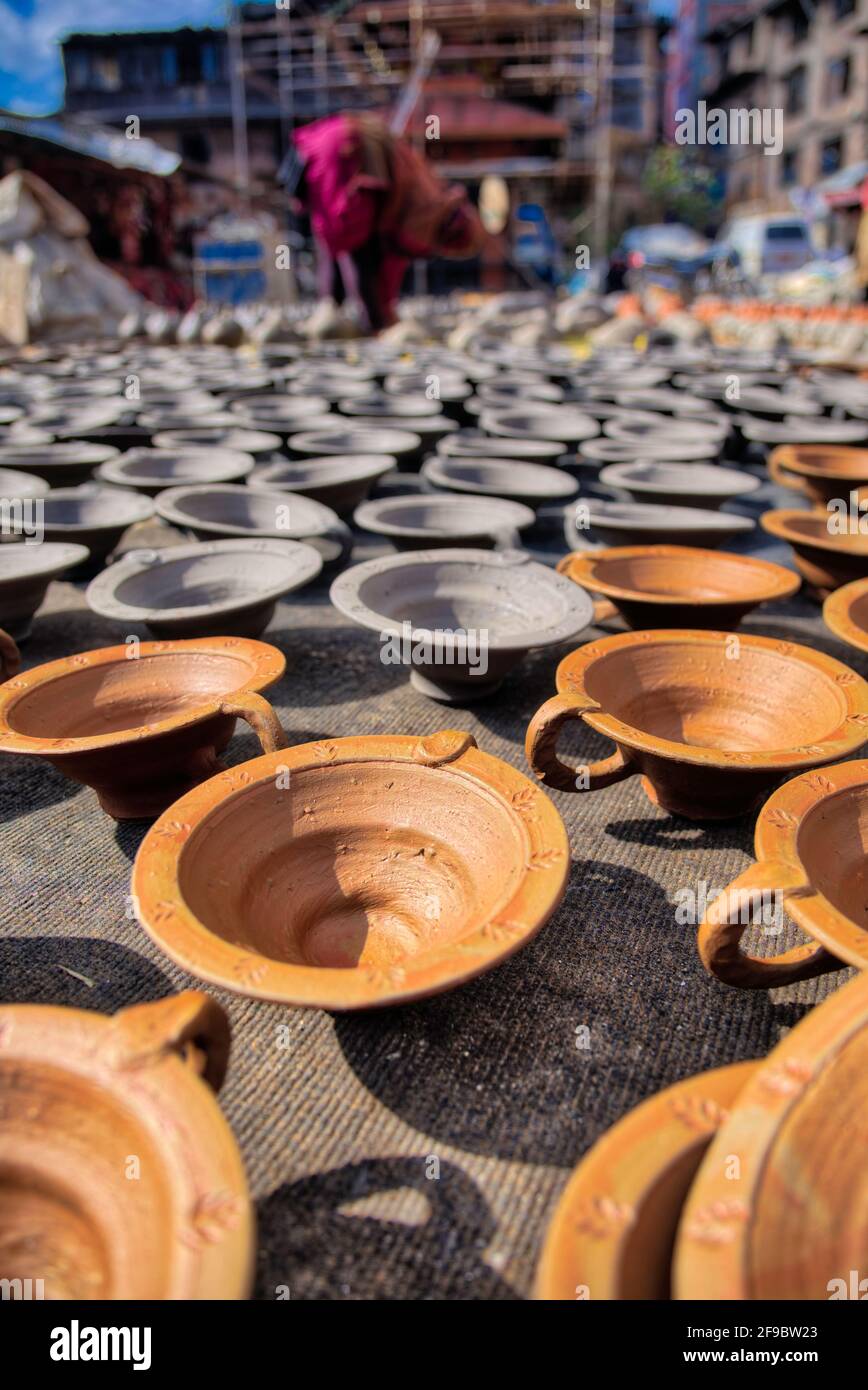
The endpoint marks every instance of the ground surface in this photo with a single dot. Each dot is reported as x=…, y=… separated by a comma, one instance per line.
x=336, y=1129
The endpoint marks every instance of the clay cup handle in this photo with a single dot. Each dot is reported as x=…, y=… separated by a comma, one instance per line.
x=720, y=937
x=257, y=712
x=191, y=1024
x=784, y=478
x=604, y=609
x=10, y=657
x=540, y=747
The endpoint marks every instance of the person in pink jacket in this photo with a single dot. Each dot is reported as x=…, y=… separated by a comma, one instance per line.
x=374, y=205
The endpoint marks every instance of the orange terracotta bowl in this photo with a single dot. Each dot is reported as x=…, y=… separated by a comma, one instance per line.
x=820, y=472
x=824, y=558
x=119, y=1176
x=711, y=720
x=142, y=725
x=613, y=1231
x=777, y=1208
x=353, y=872
x=676, y=585
x=845, y=613
x=811, y=845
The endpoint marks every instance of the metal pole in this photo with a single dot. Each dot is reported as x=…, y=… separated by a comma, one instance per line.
x=239, y=103
x=603, y=181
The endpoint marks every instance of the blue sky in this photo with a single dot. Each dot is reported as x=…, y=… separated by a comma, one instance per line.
x=31, y=76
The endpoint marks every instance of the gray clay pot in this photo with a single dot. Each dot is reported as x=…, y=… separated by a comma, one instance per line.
x=207, y=589
x=531, y=483
x=678, y=484
x=340, y=481
x=151, y=471
x=461, y=618
x=638, y=523
x=235, y=511
x=423, y=521
x=25, y=573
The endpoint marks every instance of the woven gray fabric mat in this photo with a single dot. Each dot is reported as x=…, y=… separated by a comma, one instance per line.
x=339, y=1129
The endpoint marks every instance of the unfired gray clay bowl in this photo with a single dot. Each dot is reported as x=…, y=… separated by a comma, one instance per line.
x=25, y=573
x=399, y=445
x=340, y=481
x=562, y=423
x=678, y=484
x=94, y=516
x=233, y=510
x=380, y=406
x=639, y=523
x=15, y=484
x=220, y=436
x=151, y=471
x=475, y=444
x=463, y=618
x=531, y=483
x=208, y=589
x=444, y=519
x=61, y=465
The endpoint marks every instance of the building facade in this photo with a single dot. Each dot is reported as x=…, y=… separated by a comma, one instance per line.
x=806, y=61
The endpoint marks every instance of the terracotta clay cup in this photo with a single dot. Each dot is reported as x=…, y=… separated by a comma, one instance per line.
x=80, y=1093
x=461, y=619
x=93, y=516
x=207, y=589
x=811, y=846
x=613, y=1230
x=791, y=1224
x=142, y=724
x=678, y=484
x=825, y=559
x=845, y=612
x=151, y=471
x=341, y=481
x=532, y=484
x=710, y=732
x=445, y=519
x=821, y=472
x=25, y=574
x=353, y=872
x=677, y=585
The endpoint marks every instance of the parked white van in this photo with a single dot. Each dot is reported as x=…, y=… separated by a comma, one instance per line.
x=768, y=245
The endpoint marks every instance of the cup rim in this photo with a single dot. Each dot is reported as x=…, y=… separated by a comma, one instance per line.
x=777, y=523
x=584, y=1242
x=838, y=613
x=581, y=566
x=845, y=738
x=173, y=926
x=776, y=843
x=266, y=663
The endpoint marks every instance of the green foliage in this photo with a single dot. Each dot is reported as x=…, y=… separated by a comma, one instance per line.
x=675, y=183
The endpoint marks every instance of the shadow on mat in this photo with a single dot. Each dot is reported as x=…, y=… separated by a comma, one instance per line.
x=77, y=971
x=31, y=784
x=501, y=1067
x=312, y=1245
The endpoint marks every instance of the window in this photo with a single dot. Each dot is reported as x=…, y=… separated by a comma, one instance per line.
x=795, y=85
x=627, y=48
x=790, y=169
x=837, y=79
x=843, y=8
x=77, y=71
x=169, y=67
x=212, y=62
x=627, y=103
x=830, y=156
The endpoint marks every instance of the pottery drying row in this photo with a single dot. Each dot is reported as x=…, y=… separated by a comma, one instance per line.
x=710, y=737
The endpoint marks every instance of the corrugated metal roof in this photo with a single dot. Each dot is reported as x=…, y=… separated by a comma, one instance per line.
x=96, y=142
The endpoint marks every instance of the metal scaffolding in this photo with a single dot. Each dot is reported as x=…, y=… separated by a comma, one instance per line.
x=311, y=59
